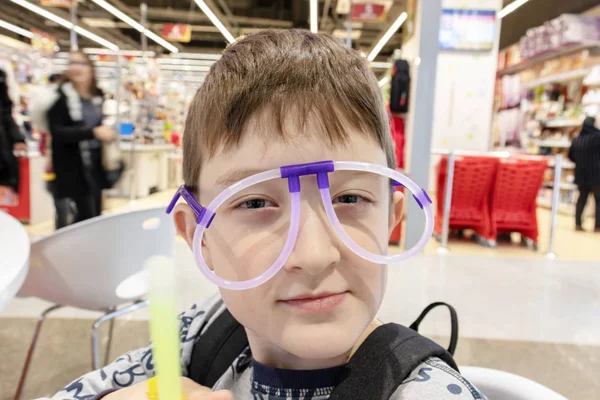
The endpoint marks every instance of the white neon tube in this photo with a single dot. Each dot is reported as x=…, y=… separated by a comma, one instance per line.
x=135, y=25
x=67, y=24
x=15, y=29
x=382, y=65
x=120, y=14
x=213, y=18
x=511, y=7
x=395, y=26
x=314, y=9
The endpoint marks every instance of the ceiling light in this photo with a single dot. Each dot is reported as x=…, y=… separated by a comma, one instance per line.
x=136, y=25
x=314, y=9
x=15, y=29
x=61, y=21
x=43, y=13
x=213, y=18
x=120, y=14
x=161, y=41
x=511, y=7
x=96, y=38
x=384, y=81
x=395, y=26
x=382, y=65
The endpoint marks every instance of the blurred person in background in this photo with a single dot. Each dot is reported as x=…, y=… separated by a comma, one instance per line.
x=75, y=125
x=11, y=139
x=585, y=153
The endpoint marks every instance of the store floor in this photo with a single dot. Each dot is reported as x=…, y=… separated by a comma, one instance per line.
x=523, y=314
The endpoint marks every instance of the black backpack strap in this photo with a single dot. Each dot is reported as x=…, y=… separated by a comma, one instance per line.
x=216, y=349
x=453, y=323
x=383, y=361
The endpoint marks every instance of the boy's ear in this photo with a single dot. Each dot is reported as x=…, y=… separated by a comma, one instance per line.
x=397, y=210
x=185, y=222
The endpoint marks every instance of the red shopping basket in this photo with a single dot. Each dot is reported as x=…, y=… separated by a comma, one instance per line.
x=514, y=194
x=473, y=179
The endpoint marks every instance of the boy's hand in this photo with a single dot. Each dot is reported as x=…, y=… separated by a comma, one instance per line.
x=190, y=390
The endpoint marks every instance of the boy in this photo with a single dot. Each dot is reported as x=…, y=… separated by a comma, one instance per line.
x=276, y=99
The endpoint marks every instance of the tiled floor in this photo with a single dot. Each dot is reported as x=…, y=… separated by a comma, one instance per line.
x=518, y=311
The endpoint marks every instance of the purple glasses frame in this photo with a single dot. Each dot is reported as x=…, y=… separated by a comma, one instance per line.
x=205, y=215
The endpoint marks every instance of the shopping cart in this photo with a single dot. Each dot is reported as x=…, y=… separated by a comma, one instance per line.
x=514, y=194
x=470, y=207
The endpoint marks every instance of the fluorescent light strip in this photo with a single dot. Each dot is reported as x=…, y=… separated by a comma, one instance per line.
x=61, y=21
x=384, y=81
x=395, y=26
x=511, y=7
x=120, y=14
x=96, y=38
x=43, y=13
x=213, y=18
x=161, y=41
x=314, y=9
x=136, y=25
x=381, y=65
x=15, y=29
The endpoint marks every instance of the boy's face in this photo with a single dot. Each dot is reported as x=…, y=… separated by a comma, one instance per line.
x=315, y=332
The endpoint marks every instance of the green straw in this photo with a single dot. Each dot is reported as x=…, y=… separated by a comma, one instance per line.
x=164, y=326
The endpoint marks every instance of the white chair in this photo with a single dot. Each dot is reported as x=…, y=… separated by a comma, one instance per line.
x=97, y=265
x=14, y=254
x=500, y=385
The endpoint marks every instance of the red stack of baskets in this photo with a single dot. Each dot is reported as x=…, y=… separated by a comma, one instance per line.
x=470, y=207
x=514, y=194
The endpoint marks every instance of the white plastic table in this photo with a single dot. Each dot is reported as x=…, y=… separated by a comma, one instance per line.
x=14, y=257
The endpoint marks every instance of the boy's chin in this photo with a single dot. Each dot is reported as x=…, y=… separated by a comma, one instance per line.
x=327, y=345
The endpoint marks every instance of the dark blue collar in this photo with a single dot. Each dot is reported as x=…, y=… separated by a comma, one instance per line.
x=295, y=379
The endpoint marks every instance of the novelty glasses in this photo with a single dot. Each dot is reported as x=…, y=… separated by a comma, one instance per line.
x=251, y=227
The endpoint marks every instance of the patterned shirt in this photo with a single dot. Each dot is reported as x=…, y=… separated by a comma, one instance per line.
x=248, y=379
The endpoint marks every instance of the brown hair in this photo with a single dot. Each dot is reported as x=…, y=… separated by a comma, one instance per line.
x=312, y=74
x=94, y=84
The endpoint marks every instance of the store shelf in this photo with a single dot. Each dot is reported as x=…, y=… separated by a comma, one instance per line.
x=562, y=77
x=562, y=123
x=563, y=208
x=565, y=164
x=562, y=186
x=553, y=143
x=562, y=51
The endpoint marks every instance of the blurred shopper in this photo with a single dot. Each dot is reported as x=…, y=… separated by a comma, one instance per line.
x=11, y=139
x=41, y=102
x=75, y=125
x=585, y=153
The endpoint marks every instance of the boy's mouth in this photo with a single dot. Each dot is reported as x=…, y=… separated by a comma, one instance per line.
x=316, y=302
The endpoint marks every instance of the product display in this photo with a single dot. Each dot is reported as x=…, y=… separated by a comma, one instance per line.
x=540, y=105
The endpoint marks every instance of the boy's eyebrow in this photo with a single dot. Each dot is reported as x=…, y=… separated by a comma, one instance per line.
x=237, y=175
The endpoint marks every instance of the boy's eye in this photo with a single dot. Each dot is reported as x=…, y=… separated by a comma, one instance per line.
x=349, y=199
x=253, y=204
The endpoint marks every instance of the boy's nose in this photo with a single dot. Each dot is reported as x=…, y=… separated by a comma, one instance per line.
x=317, y=245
